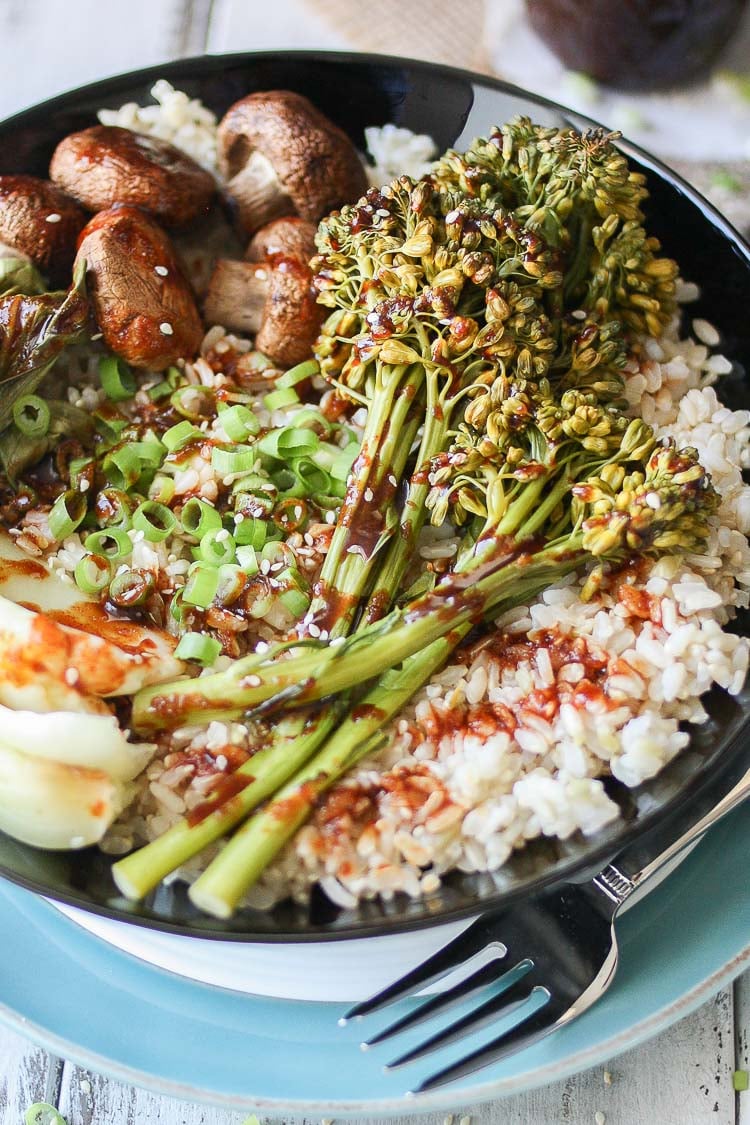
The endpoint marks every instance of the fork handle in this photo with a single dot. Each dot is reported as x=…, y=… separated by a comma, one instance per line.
x=637, y=863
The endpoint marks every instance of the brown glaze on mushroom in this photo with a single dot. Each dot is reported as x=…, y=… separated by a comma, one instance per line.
x=40, y=222
x=282, y=156
x=143, y=304
x=290, y=238
x=105, y=165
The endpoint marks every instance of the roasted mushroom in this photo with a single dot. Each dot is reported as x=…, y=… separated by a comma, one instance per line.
x=105, y=165
x=273, y=300
x=40, y=222
x=290, y=238
x=143, y=304
x=281, y=156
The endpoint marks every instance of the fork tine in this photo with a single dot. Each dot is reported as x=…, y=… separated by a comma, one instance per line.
x=527, y=1031
x=474, y=939
x=493, y=1009
x=491, y=973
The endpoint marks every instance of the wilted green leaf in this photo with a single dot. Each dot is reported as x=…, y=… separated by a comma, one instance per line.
x=17, y=275
x=19, y=451
x=34, y=331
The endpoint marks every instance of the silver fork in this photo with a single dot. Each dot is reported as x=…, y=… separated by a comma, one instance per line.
x=551, y=956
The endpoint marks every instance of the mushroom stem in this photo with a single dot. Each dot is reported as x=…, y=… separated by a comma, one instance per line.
x=236, y=295
x=258, y=193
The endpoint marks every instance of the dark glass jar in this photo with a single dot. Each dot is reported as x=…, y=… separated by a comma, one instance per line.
x=636, y=44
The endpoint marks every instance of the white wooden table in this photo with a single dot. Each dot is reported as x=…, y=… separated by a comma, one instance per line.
x=683, y=1077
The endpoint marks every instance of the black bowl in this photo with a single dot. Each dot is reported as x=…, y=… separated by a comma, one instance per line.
x=452, y=106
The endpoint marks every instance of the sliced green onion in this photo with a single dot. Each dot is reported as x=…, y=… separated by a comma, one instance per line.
x=275, y=552
x=228, y=461
x=156, y=521
x=80, y=469
x=217, y=547
x=160, y=391
x=201, y=586
x=291, y=576
x=290, y=514
x=149, y=452
x=248, y=560
x=232, y=580
x=288, y=483
x=114, y=543
x=122, y=467
x=342, y=465
x=194, y=402
x=93, y=573
x=109, y=423
x=250, y=531
x=66, y=514
x=238, y=422
x=176, y=609
x=113, y=508
x=116, y=378
x=297, y=374
x=198, y=518
x=295, y=601
x=311, y=418
x=31, y=415
x=277, y=400
x=312, y=476
x=264, y=601
x=174, y=376
x=288, y=443
x=198, y=647
x=42, y=1113
x=181, y=435
x=130, y=588
x=162, y=489
x=254, y=504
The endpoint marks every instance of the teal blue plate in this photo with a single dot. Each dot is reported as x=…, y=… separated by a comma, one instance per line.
x=150, y=1028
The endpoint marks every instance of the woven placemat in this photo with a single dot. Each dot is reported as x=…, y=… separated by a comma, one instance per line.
x=446, y=33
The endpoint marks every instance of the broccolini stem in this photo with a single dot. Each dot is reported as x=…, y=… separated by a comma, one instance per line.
x=294, y=741
x=221, y=886
x=403, y=544
x=367, y=516
x=461, y=598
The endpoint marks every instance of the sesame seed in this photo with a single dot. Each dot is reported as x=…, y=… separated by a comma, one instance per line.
x=161, y=270
x=84, y=485
x=607, y=1078
x=239, y=517
x=166, y=328
x=71, y=676
x=313, y=630
x=382, y=213
x=53, y=218
x=97, y=336
x=251, y=681
x=330, y=517
x=265, y=566
x=368, y=495
x=222, y=536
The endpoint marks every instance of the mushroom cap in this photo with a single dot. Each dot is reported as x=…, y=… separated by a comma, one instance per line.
x=291, y=238
x=145, y=315
x=315, y=162
x=105, y=165
x=40, y=222
x=291, y=316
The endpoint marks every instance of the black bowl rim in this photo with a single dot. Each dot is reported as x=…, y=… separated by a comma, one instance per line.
x=208, y=63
